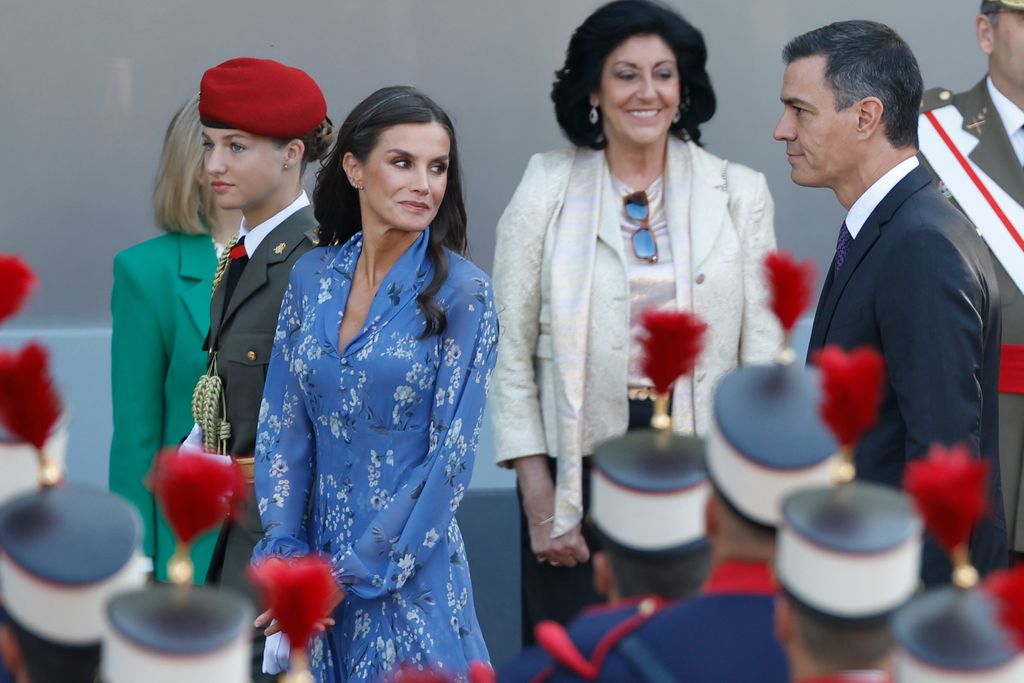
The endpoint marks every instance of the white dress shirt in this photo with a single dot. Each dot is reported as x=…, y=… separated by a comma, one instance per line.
x=874, y=195
x=1012, y=117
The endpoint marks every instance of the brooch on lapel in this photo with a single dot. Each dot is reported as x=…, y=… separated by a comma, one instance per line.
x=279, y=249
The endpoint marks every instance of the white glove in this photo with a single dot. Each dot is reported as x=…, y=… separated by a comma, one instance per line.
x=277, y=653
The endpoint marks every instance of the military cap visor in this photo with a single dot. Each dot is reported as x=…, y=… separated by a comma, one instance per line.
x=995, y=5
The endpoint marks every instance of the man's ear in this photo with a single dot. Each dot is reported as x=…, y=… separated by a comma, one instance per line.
x=869, y=116
x=604, y=578
x=711, y=521
x=10, y=651
x=783, y=621
x=983, y=27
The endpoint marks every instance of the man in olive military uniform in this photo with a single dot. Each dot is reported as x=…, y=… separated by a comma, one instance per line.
x=974, y=143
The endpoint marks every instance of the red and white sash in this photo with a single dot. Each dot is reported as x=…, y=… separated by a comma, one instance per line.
x=998, y=218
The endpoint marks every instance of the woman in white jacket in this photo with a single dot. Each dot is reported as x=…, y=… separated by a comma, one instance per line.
x=634, y=215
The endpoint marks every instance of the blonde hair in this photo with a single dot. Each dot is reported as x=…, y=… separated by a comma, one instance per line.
x=181, y=201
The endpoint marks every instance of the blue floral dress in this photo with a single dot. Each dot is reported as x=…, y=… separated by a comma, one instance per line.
x=382, y=434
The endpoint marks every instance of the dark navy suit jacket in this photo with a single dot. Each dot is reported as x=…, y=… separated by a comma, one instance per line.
x=918, y=285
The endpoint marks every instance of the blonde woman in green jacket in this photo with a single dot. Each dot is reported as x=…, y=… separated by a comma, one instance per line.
x=161, y=311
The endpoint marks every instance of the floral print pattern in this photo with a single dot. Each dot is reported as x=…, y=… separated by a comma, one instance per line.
x=364, y=453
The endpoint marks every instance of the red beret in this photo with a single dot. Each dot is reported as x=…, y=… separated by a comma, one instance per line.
x=262, y=97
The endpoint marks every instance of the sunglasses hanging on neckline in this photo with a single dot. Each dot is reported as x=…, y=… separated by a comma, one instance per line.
x=645, y=247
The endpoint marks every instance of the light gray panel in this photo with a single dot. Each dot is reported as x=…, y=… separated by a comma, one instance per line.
x=87, y=88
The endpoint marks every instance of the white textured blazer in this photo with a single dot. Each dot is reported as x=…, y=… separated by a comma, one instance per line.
x=730, y=230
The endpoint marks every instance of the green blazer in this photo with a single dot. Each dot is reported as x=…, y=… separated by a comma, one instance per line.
x=161, y=311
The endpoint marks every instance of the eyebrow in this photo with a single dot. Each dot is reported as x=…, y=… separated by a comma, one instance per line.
x=623, y=62
x=796, y=101
x=397, y=150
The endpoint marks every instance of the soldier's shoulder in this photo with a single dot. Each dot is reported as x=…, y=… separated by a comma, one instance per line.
x=936, y=98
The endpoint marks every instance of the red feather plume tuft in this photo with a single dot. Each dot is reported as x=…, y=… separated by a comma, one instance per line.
x=948, y=488
x=1007, y=589
x=196, y=492
x=790, y=282
x=481, y=672
x=29, y=404
x=852, y=388
x=16, y=283
x=673, y=341
x=299, y=591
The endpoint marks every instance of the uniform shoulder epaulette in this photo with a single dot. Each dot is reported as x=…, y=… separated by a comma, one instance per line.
x=554, y=639
x=936, y=98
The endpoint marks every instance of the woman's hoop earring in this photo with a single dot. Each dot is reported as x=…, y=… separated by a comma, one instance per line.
x=594, y=117
x=679, y=115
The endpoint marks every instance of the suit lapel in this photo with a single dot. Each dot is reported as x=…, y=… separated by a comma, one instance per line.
x=275, y=248
x=708, y=197
x=195, y=254
x=994, y=153
x=609, y=217
x=836, y=283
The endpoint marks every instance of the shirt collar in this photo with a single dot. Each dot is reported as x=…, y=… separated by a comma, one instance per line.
x=253, y=236
x=1010, y=114
x=874, y=195
x=741, y=576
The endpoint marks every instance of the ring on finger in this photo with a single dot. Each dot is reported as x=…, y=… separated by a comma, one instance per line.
x=540, y=559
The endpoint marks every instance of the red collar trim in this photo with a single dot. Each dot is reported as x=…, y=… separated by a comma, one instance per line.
x=603, y=607
x=865, y=676
x=741, y=576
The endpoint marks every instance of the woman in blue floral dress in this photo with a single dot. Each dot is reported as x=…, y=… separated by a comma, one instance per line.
x=375, y=395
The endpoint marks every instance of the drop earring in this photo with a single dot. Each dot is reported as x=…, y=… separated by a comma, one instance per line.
x=594, y=117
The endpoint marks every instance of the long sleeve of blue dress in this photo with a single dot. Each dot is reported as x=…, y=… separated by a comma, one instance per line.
x=364, y=453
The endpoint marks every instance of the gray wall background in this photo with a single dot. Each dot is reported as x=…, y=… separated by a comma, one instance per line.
x=87, y=89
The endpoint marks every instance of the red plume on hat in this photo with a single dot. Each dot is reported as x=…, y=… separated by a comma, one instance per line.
x=851, y=385
x=790, y=282
x=298, y=591
x=196, y=492
x=29, y=404
x=16, y=284
x=672, y=342
x=1007, y=589
x=949, y=489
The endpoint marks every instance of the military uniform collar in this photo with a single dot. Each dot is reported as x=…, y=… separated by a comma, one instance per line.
x=253, y=236
x=741, y=577
x=1010, y=114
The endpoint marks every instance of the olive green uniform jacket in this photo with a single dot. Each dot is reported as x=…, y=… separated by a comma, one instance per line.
x=995, y=156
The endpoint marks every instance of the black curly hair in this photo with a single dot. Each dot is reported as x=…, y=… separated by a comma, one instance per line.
x=604, y=30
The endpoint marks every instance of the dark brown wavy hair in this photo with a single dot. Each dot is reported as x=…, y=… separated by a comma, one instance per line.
x=336, y=202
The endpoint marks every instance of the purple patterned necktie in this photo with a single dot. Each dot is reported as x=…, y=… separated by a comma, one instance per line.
x=842, y=246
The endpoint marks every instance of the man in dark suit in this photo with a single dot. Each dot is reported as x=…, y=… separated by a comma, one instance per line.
x=911, y=276
x=986, y=126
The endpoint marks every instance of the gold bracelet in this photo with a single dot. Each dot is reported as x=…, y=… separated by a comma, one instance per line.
x=545, y=521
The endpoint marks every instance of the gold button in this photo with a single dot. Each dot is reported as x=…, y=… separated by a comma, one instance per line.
x=251, y=355
x=700, y=279
x=945, y=95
